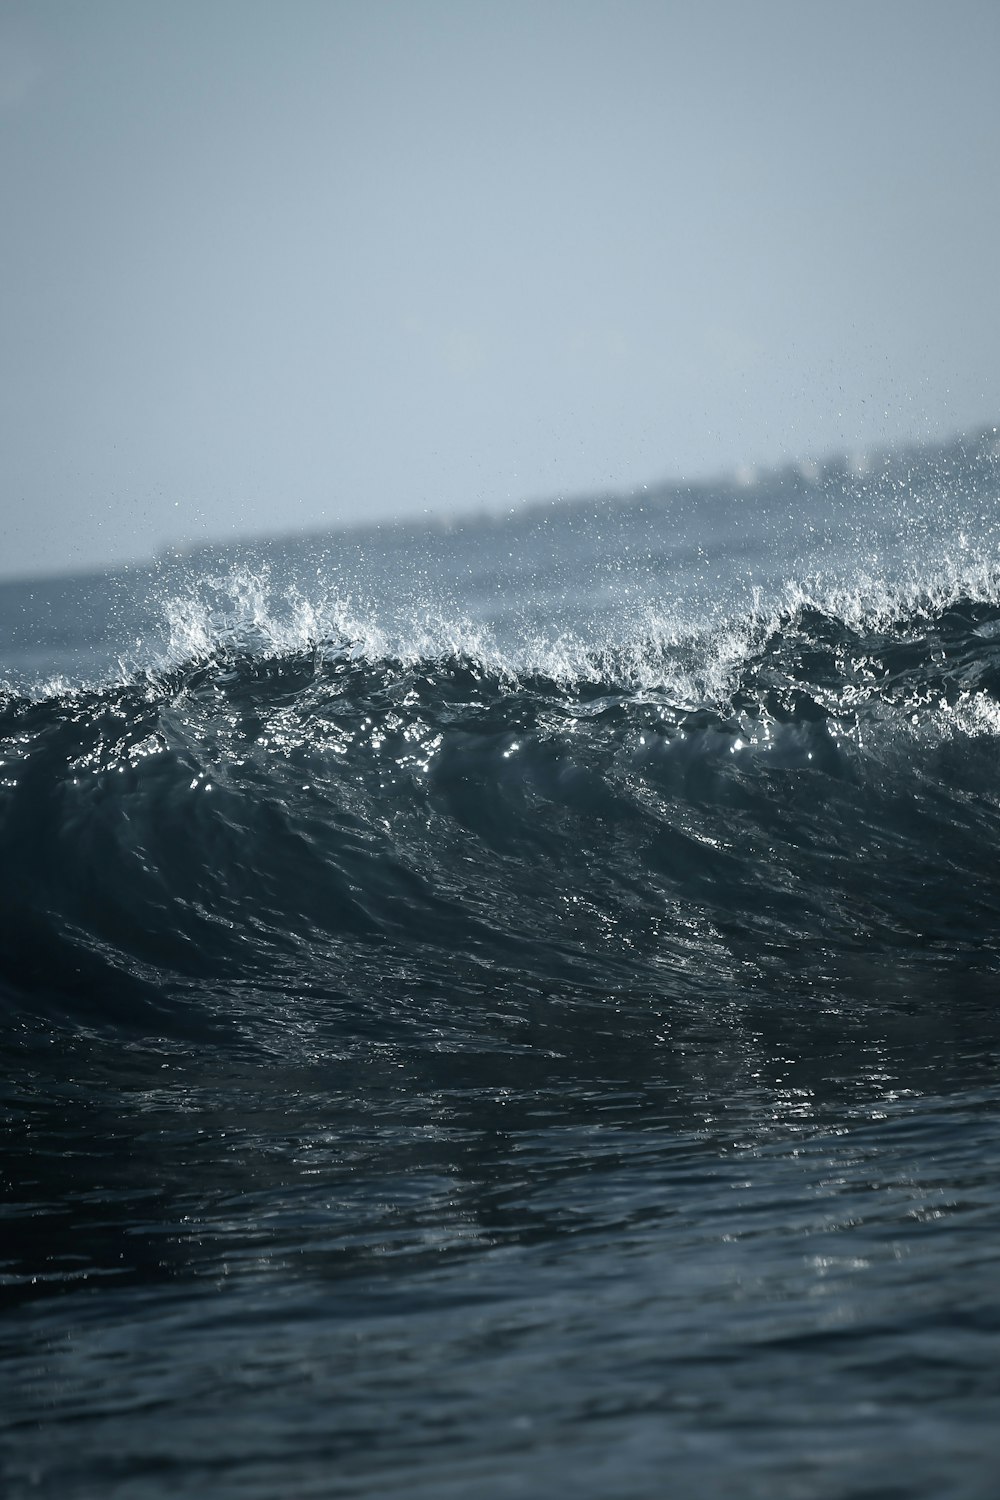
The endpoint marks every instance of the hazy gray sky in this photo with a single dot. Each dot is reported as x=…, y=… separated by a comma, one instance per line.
x=267, y=265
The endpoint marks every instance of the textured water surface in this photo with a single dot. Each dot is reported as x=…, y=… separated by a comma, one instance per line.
x=511, y=1008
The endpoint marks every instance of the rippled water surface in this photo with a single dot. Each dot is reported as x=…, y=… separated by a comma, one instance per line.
x=512, y=1009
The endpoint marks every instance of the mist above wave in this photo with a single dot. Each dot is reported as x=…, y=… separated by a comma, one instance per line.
x=671, y=589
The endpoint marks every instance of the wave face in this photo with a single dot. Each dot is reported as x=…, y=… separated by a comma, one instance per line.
x=514, y=1007
x=317, y=817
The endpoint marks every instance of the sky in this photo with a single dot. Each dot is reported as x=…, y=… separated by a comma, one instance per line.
x=266, y=267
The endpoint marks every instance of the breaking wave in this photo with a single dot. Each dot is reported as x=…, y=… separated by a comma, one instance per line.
x=288, y=804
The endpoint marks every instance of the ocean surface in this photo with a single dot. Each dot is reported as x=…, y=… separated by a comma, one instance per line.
x=512, y=1009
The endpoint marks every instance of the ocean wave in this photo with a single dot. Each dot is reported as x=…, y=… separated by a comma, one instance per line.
x=675, y=815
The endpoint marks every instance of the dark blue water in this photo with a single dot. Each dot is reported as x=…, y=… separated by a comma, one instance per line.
x=512, y=1009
